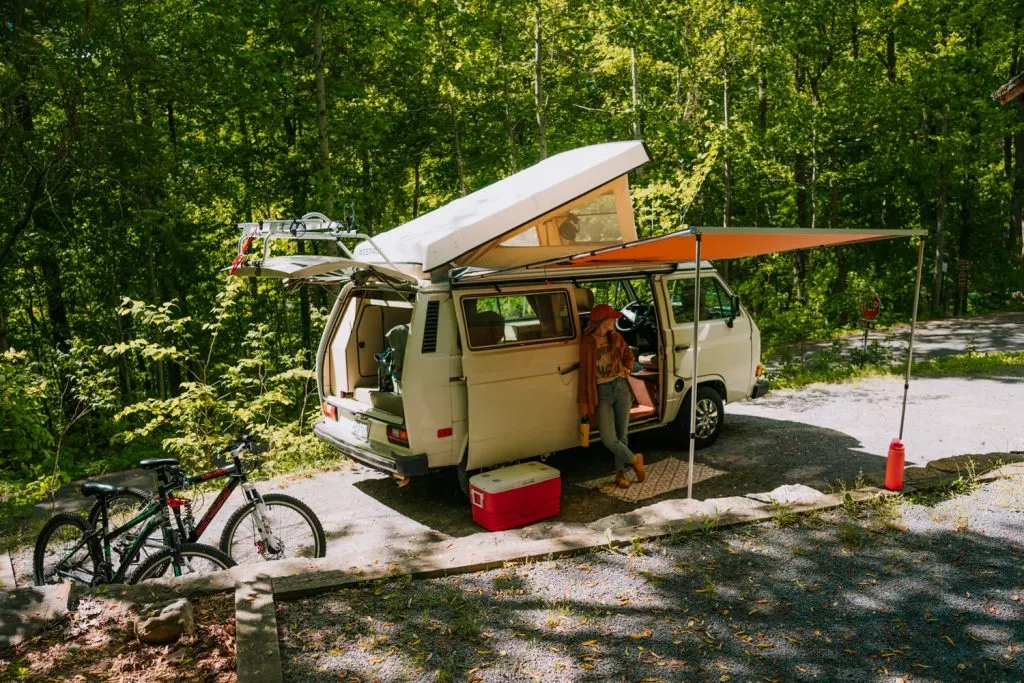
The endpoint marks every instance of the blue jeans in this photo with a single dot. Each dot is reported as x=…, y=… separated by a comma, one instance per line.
x=614, y=400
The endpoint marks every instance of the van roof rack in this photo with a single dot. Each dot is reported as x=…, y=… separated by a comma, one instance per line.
x=312, y=226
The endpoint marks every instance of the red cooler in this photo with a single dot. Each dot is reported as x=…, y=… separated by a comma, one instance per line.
x=516, y=495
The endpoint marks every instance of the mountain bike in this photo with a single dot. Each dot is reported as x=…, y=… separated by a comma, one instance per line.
x=270, y=526
x=70, y=548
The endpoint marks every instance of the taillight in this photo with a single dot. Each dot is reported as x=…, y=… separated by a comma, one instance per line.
x=329, y=410
x=398, y=436
x=759, y=371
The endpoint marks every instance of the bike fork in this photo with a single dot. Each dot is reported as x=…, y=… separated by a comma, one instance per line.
x=269, y=542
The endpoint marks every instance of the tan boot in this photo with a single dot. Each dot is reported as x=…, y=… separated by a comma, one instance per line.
x=638, y=467
x=620, y=479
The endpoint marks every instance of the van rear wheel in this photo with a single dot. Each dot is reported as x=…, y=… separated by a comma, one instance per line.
x=710, y=417
x=463, y=476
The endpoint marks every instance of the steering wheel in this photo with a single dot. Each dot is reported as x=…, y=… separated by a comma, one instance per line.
x=630, y=313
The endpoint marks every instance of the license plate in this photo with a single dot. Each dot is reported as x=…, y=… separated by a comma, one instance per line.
x=361, y=430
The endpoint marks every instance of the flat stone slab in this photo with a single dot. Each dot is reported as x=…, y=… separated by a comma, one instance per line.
x=786, y=494
x=27, y=611
x=258, y=650
x=7, y=581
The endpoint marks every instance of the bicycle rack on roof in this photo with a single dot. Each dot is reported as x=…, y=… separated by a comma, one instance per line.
x=312, y=226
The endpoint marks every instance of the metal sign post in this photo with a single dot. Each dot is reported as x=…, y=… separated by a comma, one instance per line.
x=913, y=326
x=693, y=381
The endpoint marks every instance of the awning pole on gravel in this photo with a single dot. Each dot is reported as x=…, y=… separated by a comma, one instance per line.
x=913, y=326
x=693, y=380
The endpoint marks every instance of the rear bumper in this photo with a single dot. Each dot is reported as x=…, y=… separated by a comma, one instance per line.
x=390, y=463
x=760, y=389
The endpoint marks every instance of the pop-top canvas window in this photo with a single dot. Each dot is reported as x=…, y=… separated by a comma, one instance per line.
x=594, y=221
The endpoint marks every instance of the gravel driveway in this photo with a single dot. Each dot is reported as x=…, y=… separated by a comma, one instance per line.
x=888, y=591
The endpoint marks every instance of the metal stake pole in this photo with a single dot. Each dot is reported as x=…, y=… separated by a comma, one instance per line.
x=693, y=381
x=913, y=326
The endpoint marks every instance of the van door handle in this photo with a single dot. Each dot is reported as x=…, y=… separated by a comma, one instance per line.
x=681, y=347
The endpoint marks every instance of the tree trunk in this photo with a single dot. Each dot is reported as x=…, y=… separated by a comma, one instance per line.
x=416, y=186
x=940, y=219
x=762, y=104
x=638, y=132
x=459, y=166
x=800, y=178
x=842, y=267
x=538, y=84
x=1016, y=236
x=727, y=167
x=326, y=179
x=366, y=180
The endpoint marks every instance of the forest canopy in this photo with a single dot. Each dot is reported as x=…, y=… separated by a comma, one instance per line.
x=134, y=135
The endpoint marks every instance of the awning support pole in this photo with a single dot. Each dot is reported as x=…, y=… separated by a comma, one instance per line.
x=693, y=380
x=913, y=326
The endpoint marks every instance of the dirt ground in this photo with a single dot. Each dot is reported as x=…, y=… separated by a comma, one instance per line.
x=98, y=643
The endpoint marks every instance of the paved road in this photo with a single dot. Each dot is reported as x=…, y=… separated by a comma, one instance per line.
x=815, y=436
x=936, y=338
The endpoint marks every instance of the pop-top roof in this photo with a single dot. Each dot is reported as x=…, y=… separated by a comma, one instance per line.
x=452, y=231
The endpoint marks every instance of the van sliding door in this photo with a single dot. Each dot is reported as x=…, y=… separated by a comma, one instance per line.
x=520, y=347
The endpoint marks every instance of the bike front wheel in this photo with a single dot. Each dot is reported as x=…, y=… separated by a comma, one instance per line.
x=292, y=530
x=185, y=560
x=64, y=551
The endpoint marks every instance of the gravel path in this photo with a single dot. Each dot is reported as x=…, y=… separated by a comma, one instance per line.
x=887, y=591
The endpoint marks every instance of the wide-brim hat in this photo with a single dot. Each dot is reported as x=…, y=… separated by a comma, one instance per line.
x=604, y=312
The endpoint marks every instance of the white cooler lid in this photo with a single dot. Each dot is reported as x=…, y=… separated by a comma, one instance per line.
x=514, y=477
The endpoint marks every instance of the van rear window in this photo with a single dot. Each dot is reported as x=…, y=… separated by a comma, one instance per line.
x=516, y=319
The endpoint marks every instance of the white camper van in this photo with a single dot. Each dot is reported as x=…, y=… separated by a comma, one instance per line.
x=454, y=341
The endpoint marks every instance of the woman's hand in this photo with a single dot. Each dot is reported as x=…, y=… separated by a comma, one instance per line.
x=584, y=409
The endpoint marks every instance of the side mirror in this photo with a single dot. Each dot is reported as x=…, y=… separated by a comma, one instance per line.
x=735, y=312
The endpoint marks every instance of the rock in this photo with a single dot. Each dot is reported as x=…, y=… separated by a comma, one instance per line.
x=164, y=622
x=788, y=493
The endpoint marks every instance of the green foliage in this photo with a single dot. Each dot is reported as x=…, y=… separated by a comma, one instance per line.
x=973, y=363
x=25, y=438
x=135, y=134
x=218, y=402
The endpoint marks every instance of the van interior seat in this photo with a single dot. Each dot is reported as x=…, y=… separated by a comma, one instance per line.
x=486, y=328
x=584, y=303
x=648, y=361
x=644, y=407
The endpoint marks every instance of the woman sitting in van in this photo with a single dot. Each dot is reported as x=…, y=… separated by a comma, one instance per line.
x=604, y=393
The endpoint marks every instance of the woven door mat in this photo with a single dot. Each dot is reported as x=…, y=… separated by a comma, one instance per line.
x=663, y=476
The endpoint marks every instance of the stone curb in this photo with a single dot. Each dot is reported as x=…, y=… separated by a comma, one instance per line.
x=7, y=581
x=257, y=644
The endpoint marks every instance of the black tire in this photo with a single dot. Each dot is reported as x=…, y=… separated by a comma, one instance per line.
x=708, y=401
x=121, y=507
x=59, y=537
x=463, y=477
x=304, y=537
x=193, y=554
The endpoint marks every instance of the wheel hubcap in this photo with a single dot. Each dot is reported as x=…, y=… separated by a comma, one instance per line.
x=707, y=418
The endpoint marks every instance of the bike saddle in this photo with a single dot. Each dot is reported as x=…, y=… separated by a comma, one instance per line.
x=96, y=488
x=157, y=463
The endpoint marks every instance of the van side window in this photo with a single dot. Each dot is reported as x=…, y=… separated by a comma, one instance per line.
x=715, y=303
x=515, y=319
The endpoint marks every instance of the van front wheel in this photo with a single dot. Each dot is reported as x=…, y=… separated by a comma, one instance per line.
x=710, y=416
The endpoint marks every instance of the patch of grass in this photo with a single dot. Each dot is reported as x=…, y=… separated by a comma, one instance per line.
x=851, y=536
x=637, y=548
x=840, y=362
x=973, y=363
x=783, y=515
x=965, y=482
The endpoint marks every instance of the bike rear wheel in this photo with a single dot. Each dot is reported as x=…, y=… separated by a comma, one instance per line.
x=185, y=560
x=64, y=551
x=294, y=530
